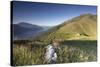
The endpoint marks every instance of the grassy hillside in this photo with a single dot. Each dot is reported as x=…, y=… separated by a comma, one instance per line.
x=83, y=27
x=84, y=24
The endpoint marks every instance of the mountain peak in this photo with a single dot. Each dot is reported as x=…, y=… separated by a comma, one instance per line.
x=24, y=23
x=28, y=25
x=87, y=15
x=83, y=16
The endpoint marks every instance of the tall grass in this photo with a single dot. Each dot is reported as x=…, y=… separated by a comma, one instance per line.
x=34, y=54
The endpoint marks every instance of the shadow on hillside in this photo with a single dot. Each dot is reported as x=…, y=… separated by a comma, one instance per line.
x=82, y=42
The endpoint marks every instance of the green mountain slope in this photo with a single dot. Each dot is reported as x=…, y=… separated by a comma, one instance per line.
x=83, y=27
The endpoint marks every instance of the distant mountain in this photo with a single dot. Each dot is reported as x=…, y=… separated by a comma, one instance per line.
x=83, y=27
x=46, y=27
x=27, y=25
x=25, y=30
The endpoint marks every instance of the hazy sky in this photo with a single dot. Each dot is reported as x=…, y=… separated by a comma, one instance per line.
x=46, y=14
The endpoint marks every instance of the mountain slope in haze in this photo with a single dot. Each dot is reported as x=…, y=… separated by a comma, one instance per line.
x=24, y=30
x=83, y=27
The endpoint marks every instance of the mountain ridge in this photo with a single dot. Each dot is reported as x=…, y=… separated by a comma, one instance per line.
x=25, y=30
x=80, y=27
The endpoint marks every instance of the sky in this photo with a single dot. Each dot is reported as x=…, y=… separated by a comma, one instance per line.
x=46, y=14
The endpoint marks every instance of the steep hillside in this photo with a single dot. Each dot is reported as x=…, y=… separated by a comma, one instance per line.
x=83, y=27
